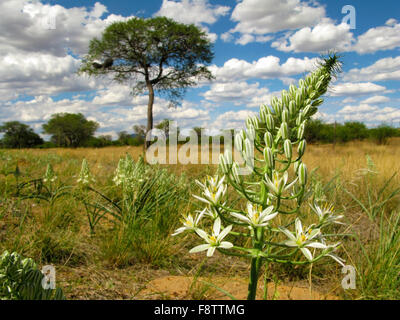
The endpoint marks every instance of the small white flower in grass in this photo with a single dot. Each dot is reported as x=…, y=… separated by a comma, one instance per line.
x=85, y=177
x=256, y=216
x=50, y=175
x=213, y=189
x=278, y=184
x=325, y=213
x=215, y=240
x=190, y=223
x=303, y=239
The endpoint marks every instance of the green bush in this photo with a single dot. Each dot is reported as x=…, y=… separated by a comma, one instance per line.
x=382, y=133
x=20, y=279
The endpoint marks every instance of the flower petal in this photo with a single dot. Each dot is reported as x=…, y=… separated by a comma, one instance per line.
x=217, y=226
x=240, y=217
x=307, y=253
x=225, y=245
x=317, y=245
x=178, y=231
x=224, y=233
x=299, y=227
x=202, y=234
x=288, y=233
x=199, y=248
x=210, y=251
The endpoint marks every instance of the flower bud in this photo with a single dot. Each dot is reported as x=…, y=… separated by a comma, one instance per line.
x=285, y=98
x=287, y=147
x=269, y=158
x=292, y=108
x=263, y=113
x=274, y=102
x=306, y=110
x=251, y=132
x=285, y=115
x=235, y=173
x=299, y=98
x=223, y=165
x=228, y=157
x=268, y=139
x=249, y=148
x=284, y=130
x=292, y=89
x=270, y=122
x=317, y=102
x=301, y=148
x=300, y=118
x=239, y=142
x=300, y=132
x=302, y=174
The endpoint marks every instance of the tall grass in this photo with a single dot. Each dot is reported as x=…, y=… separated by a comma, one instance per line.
x=61, y=234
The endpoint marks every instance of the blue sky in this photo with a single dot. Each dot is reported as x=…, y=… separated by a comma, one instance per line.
x=261, y=46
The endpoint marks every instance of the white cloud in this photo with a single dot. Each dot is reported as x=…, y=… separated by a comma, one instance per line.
x=370, y=114
x=24, y=27
x=192, y=11
x=237, y=92
x=270, y=16
x=357, y=109
x=379, y=38
x=376, y=100
x=323, y=37
x=264, y=68
x=355, y=89
x=232, y=119
x=381, y=70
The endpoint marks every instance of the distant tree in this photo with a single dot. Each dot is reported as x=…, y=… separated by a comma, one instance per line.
x=139, y=130
x=352, y=131
x=164, y=125
x=382, y=133
x=123, y=138
x=19, y=135
x=70, y=129
x=158, y=54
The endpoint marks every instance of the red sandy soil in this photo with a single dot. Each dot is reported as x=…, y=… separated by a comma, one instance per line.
x=181, y=287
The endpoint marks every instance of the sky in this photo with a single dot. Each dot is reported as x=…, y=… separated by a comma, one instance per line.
x=260, y=46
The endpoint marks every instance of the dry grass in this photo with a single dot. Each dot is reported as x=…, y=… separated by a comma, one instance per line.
x=84, y=274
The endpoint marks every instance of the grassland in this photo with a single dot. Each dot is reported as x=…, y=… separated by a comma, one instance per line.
x=114, y=262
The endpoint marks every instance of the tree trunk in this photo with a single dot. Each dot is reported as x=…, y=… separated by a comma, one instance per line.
x=149, y=111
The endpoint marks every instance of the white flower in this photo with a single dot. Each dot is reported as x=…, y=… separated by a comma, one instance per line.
x=256, y=216
x=215, y=240
x=278, y=184
x=85, y=177
x=213, y=189
x=50, y=175
x=190, y=223
x=325, y=213
x=303, y=239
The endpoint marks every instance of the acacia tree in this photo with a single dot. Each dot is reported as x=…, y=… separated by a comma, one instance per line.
x=19, y=135
x=155, y=54
x=70, y=129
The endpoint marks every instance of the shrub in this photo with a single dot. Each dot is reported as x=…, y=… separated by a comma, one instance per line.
x=20, y=279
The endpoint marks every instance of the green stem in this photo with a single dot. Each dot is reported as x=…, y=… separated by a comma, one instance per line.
x=255, y=265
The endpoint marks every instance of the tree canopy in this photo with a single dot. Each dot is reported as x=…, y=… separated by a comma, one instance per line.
x=19, y=135
x=155, y=54
x=70, y=129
